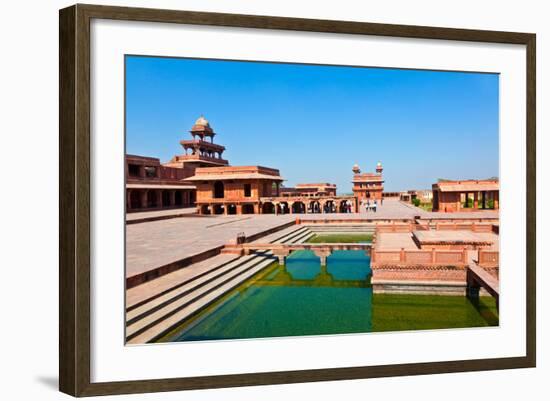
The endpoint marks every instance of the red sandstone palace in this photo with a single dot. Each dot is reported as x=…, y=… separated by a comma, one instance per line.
x=202, y=178
x=453, y=196
x=368, y=186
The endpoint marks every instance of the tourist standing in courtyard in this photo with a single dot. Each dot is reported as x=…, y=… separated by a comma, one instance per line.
x=374, y=206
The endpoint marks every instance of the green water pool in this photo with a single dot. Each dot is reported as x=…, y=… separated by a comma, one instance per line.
x=304, y=298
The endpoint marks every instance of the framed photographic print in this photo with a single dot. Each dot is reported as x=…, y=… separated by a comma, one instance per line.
x=250, y=200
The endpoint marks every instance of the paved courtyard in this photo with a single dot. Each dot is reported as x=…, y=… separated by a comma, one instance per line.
x=160, y=213
x=157, y=243
x=395, y=209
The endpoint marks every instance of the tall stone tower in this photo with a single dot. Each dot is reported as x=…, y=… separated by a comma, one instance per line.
x=201, y=151
x=368, y=186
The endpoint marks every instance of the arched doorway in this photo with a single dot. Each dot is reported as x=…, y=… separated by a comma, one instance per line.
x=315, y=207
x=344, y=206
x=298, y=207
x=218, y=209
x=329, y=207
x=268, y=208
x=205, y=209
x=283, y=208
x=248, y=209
x=231, y=209
x=218, y=190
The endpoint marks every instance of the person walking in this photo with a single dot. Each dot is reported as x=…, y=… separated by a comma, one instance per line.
x=374, y=206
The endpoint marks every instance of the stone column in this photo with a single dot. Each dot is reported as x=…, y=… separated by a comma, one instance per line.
x=281, y=254
x=128, y=199
x=322, y=254
x=226, y=209
x=143, y=198
x=476, y=194
x=239, y=209
x=159, y=198
x=172, y=197
x=142, y=171
x=257, y=209
x=495, y=199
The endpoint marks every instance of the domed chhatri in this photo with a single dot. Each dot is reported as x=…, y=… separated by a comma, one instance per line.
x=379, y=168
x=202, y=121
x=356, y=169
x=200, y=151
x=202, y=128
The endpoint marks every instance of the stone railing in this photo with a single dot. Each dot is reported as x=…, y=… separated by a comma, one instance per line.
x=401, y=227
x=395, y=228
x=432, y=257
x=475, y=227
x=488, y=258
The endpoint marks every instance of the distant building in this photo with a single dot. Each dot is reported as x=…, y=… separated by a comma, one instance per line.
x=149, y=185
x=368, y=186
x=424, y=195
x=318, y=189
x=152, y=185
x=234, y=190
x=454, y=196
x=201, y=177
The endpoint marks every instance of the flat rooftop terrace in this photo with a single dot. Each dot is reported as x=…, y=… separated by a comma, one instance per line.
x=454, y=237
x=387, y=241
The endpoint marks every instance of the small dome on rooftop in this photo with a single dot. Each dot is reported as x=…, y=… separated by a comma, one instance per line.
x=202, y=121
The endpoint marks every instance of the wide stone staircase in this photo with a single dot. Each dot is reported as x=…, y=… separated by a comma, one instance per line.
x=368, y=228
x=156, y=308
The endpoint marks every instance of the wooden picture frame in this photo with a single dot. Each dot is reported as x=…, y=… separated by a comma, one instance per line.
x=74, y=204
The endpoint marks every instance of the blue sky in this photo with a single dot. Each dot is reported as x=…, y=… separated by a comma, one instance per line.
x=314, y=122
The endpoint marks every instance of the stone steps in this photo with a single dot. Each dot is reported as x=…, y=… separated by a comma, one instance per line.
x=162, y=321
x=304, y=236
x=289, y=237
x=148, y=291
x=154, y=316
x=164, y=299
x=368, y=229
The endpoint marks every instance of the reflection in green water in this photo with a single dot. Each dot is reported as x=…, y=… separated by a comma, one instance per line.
x=304, y=298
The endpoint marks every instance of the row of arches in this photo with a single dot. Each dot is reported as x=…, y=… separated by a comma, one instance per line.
x=231, y=209
x=280, y=207
x=154, y=199
x=313, y=206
